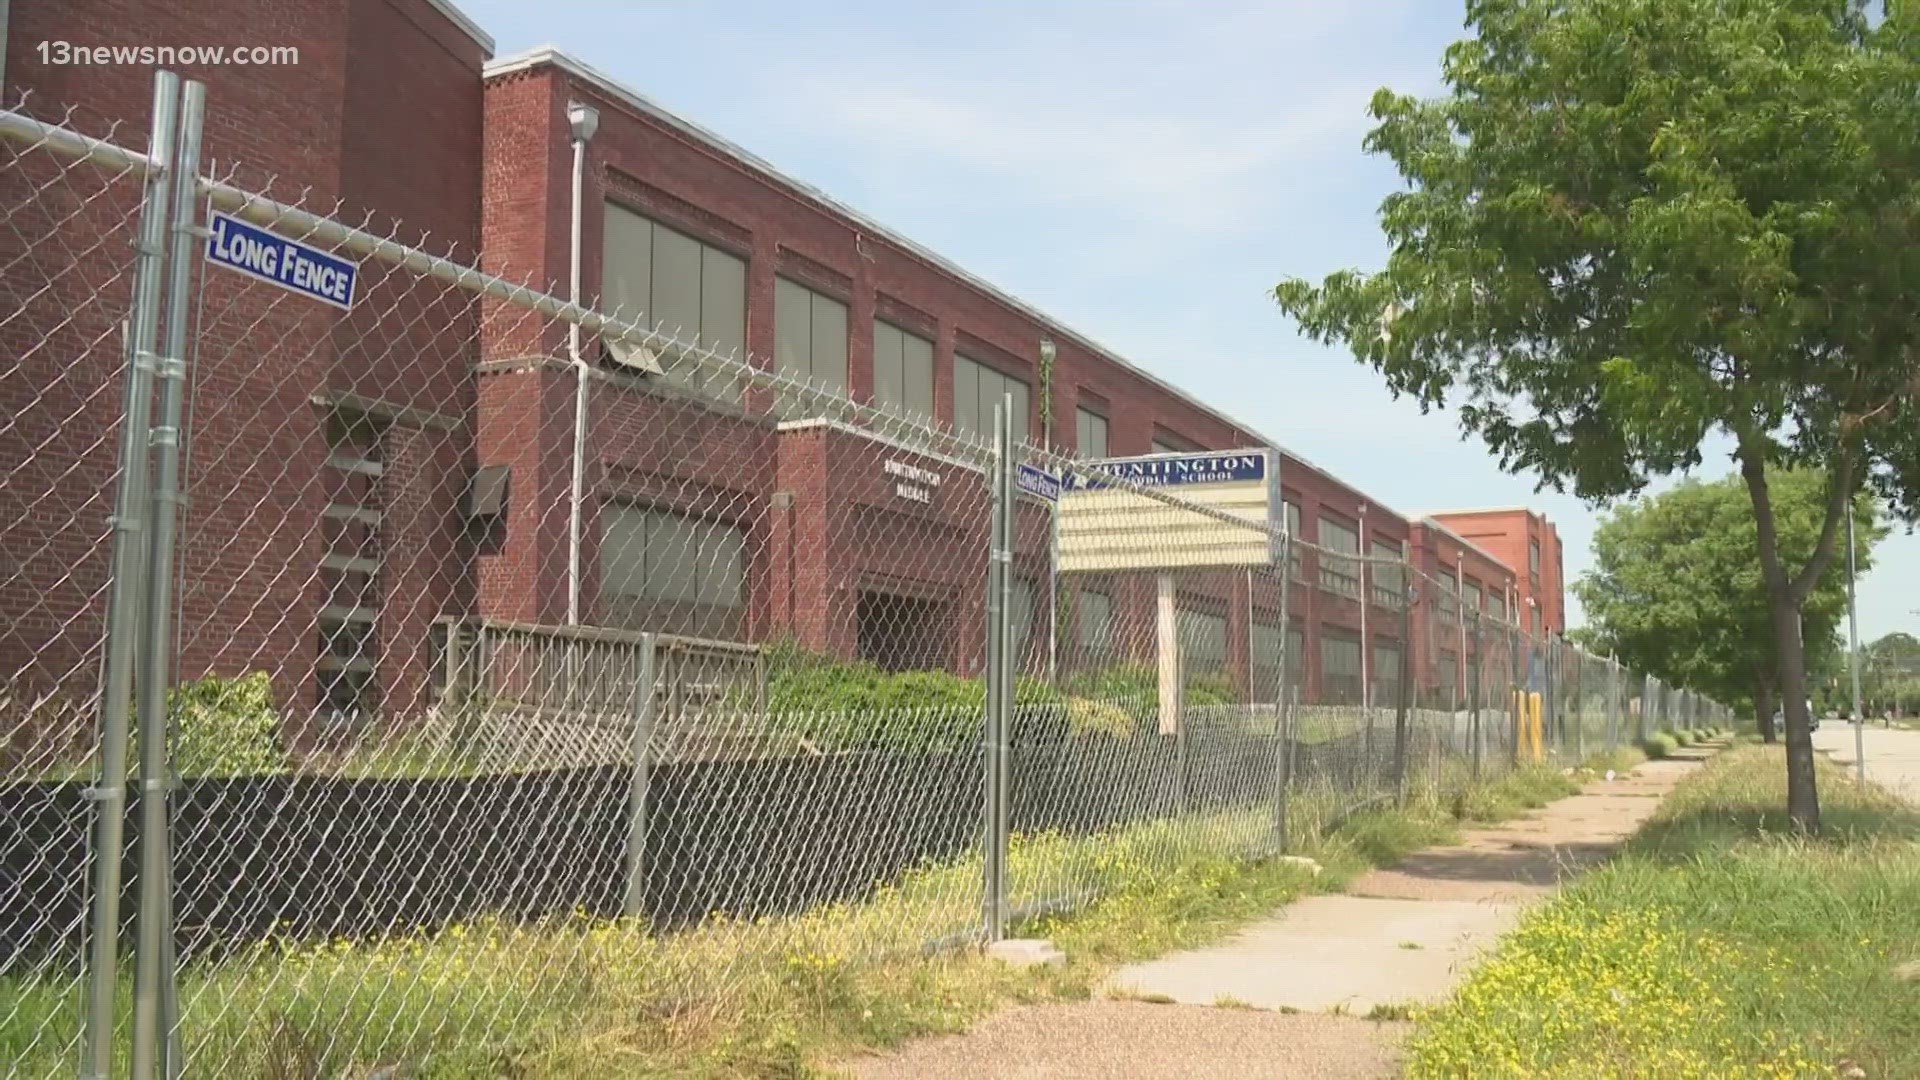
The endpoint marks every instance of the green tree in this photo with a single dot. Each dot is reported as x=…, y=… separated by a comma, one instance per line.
x=1676, y=587
x=1633, y=224
x=1890, y=674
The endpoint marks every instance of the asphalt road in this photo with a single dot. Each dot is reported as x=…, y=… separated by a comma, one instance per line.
x=1893, y=756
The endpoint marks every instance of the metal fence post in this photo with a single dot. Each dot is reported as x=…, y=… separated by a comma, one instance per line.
x=1613, y=704
x=1404, y=690
x=1282, y=696
x=1010, y=661
x=130, y=564
x=155, y=1042
x=638, y=802
x=1516, y=699
x=999, y=685
x=1473, y=698
x=1580, y=704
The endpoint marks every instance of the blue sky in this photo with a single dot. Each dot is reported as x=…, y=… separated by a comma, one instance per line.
x=1144, y=171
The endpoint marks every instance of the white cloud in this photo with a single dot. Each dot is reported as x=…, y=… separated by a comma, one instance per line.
x=1194, y=174
x=1186, y=115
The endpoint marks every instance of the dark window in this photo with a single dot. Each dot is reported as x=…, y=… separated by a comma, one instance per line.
x=902, y=633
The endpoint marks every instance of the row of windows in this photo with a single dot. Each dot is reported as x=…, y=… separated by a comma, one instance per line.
x=697, y=293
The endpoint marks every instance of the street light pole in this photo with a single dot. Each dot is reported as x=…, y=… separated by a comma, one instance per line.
x=1853, y=658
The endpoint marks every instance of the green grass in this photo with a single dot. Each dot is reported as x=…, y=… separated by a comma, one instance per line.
x=578, y=996
x=1721, y=943
x=1620, y=760
x=1527, y=788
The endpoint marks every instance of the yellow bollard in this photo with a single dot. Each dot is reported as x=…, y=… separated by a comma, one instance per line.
x=1535, y=727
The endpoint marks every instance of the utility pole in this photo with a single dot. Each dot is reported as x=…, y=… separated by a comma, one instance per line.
x=1853, y=658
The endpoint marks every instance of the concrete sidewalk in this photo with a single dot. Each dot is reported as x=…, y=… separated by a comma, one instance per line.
x=1402, y=936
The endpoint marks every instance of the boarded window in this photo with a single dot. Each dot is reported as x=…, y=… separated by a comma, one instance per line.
x=902, y=371
x=1090, y=433
x=977, y=388
x=1339, y=668
x=1339, y=575
x=809, y=346
x=671, y=573
x=680, y=287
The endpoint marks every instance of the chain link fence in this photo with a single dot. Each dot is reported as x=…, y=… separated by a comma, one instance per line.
x=391, y=687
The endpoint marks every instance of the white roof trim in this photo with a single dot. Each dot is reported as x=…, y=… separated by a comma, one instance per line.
x=460, y=19
x=550, y=55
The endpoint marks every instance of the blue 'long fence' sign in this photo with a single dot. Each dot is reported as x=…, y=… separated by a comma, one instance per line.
x=290, y=264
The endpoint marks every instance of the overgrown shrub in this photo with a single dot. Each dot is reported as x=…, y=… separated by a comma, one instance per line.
x=853, y=704
x=1658, y=745
x=1141, y=683
x=225, y=727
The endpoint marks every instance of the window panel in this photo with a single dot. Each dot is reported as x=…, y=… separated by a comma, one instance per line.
x=723, y=580
x=1022, y=409
x=1339, y=575
x=984, y=386
x=673, y=559
x=916, y=365
x=829, y=361
x=626, y=287
x=1203, y=641
x=669, y=558
x=623, y=551
x=671, y=282
x=1293, y=548
x=1339, y=668
x=1386, y=674
x=1090, y=433
x=1095, y=619
x=723, y=303
x=792, y=330
x=1386, y=578
x=966, y=397
x=1265, y=642
x=676, y=283
x=889, y=372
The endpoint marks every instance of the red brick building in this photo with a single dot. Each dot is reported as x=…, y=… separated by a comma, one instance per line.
x=1529, y=544
x=333, y=525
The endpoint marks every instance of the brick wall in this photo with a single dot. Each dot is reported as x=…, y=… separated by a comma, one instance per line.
x=380, y=118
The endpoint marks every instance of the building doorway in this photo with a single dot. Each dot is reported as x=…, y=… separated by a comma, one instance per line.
x=902, y=633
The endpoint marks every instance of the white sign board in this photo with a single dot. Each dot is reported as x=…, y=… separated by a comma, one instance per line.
x=1106, y=525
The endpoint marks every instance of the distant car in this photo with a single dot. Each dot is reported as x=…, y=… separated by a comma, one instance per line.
x=1780, y=721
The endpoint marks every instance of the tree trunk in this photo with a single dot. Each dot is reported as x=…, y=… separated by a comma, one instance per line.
x=1790, y=660
x=1763, y=705
x=1803, y=796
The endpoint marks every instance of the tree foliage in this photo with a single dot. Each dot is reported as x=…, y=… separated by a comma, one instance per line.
x=1890, y=673
x=1676, y=589
x=1632, y=224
